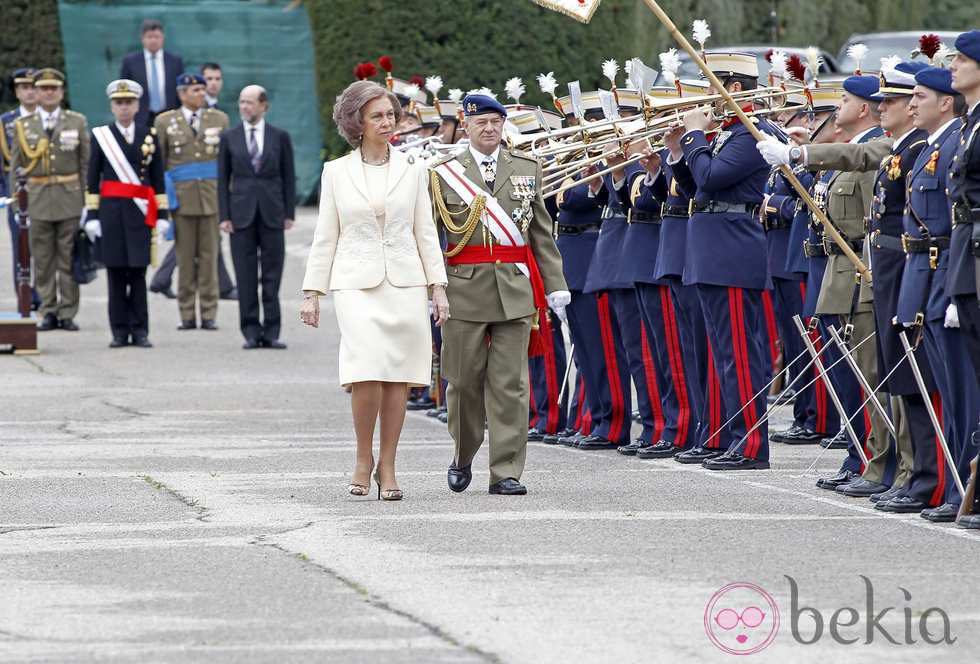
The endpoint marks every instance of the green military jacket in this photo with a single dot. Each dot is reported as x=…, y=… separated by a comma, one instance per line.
x=56, y=167
x=494, y=292
x=849, y=196
x=179, y=145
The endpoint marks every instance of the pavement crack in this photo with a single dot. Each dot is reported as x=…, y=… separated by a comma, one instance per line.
x=10, y=529
x=65, y=428
x=203, y=513
x=37, y=365
x=382, y=605
x=126, y=410
x=260, y=539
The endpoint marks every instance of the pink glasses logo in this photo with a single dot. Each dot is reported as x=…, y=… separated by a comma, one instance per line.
x=741, y=619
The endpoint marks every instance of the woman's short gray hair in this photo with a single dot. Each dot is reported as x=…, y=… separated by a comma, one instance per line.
x=347, y=108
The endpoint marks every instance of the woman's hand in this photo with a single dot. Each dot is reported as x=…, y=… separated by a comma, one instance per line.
x=309, y=311
x=440, y=305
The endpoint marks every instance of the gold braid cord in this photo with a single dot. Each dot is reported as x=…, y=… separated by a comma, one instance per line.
x=468, y=227
x=41, y=150
x=4, y=148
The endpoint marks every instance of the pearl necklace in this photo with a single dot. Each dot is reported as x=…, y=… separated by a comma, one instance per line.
x=380, y=163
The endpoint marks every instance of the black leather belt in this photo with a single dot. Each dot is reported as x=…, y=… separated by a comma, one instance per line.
x=721, y=206
x=776, y=224
x=673, y=211
x=833, y=249
x=881, y=240
x=963, y=214
x=610, y=212
x=577, y=230
x=813, y=249
x=915, y=245
x=641, y=217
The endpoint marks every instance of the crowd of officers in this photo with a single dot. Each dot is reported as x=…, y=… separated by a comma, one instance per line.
x=150, y=175
x=700, y=278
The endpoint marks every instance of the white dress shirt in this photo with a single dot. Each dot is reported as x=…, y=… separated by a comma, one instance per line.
x=934, y=136
x=189, y=115
x=128, y=133
x=49, y=120
x=480, y=158
x=157, y=63
x=24, y=112
x=259, y=134
x=210, y=101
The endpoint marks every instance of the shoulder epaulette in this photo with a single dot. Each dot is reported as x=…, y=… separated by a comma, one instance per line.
x=922, y=142
x=71, y=113
x=166, y=114
x=520, y=154
x=443, y=159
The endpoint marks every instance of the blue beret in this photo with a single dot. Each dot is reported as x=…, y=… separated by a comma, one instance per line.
x=935, y=78
x=480, y=104
x=969, y=44
x=911, y=66
x=190, y=79
x=23, y=75
x=865, y=87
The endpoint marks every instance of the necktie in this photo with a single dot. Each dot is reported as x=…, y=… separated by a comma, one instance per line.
x=49, y=126
x=194, y=123
x=253, y=150
x=156, y=103
x=489, y=171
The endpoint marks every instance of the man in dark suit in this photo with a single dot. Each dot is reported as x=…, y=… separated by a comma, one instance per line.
x=256, y=199
x=155, y=70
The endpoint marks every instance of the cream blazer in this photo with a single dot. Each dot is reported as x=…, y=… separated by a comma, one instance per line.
x=349, y=250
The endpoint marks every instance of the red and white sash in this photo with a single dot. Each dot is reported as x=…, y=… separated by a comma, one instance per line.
x=117, y=159
x=494, y=218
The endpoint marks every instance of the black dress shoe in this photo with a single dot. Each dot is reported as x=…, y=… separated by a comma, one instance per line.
x=550, y=439
x=596, y=442
x=208, y=324
x=861, y=488
x=885, y=496
x=187, y=325
x=971, y=521
x=423, y=403
x=831, y=483
x=141, y=341
x=571, y=441
x=779, y=436
x=735, y=461
x=508, y=487
x=443, y=417
x=274, y=344
x=945, y=513
x=801, y=436
x=250, y=344
x=535, y=435
x=68, y=325
x=838, y=442
x=167, y=292
x=433, y=412
x=631, y=448
x=230, y=295
x=901, y=505
x=119, y=342
x=785, y=397
x=662, y=449
x=567, y=431
x=48, y=323
x=459, y=478
x=697, y=455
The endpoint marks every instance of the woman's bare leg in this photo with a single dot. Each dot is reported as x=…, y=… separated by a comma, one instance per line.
x=365, y=403
x=393, y=403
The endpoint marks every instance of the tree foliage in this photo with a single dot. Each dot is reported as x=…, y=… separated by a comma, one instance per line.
x=31, y=37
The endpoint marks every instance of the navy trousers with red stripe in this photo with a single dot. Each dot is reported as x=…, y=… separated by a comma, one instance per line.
x=929, y=470
x=579, y=417
x=546, y=373
x=602, y=362
x=636, y=341
x=660, y=314
x=769, y=333
x=731, y=316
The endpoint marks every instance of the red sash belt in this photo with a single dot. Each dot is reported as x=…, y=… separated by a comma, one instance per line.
x=116, y=189
x=541, y=339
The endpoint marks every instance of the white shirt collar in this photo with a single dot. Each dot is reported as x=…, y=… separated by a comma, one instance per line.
x=898, y=141
x=480, y=157
x=23, y=112
x=933, y=137
x=973, y=108
x=211, y=101
x=147, y=55
x=128, y=132
x=259, y=126
x=857, y=139
x=188, y=113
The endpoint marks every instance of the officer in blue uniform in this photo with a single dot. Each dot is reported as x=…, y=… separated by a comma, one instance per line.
x=964, y=193
x=923, y=300
x=22, y=81
x=594, y=331
x=727, y=258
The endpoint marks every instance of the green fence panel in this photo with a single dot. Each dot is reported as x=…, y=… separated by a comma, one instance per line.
x=254, y=42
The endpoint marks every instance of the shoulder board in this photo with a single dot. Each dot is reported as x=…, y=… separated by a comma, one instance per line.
x=519, y=154
x=166, y=115
x=918, y=143
x=73, y=114
x=216, y=111
x=442, y=160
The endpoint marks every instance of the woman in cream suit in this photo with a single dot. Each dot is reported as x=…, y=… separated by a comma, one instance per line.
x=375, y=248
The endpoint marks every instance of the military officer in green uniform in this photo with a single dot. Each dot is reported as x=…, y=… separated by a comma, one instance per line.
x=504, y=274
x=189, y=138
x=52, y=147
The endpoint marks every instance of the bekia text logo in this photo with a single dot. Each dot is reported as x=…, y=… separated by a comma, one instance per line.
x=743, y=619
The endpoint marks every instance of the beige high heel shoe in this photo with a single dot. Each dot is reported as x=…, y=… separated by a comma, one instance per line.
x=359, y=489
x=386, y=494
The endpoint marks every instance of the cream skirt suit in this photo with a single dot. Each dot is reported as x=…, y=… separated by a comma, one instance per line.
x=375, y=248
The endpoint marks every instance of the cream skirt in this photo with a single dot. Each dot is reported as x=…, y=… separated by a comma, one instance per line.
x=384, y=335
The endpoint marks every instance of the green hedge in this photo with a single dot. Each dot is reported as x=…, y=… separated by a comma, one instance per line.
x=31, y=37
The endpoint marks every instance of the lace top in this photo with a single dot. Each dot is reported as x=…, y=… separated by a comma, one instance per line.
x=376, y=178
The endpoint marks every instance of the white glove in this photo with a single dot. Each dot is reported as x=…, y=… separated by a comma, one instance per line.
x=557, y=301
x=163, y=225
x=952, y=316
x=774, y=152
x=93, y=229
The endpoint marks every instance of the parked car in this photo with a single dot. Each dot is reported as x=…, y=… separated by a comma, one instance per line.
x=689, y=69
x=884, y=44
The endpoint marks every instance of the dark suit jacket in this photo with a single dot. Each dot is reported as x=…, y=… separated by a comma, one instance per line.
x=134, y=68
x=242, y=190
